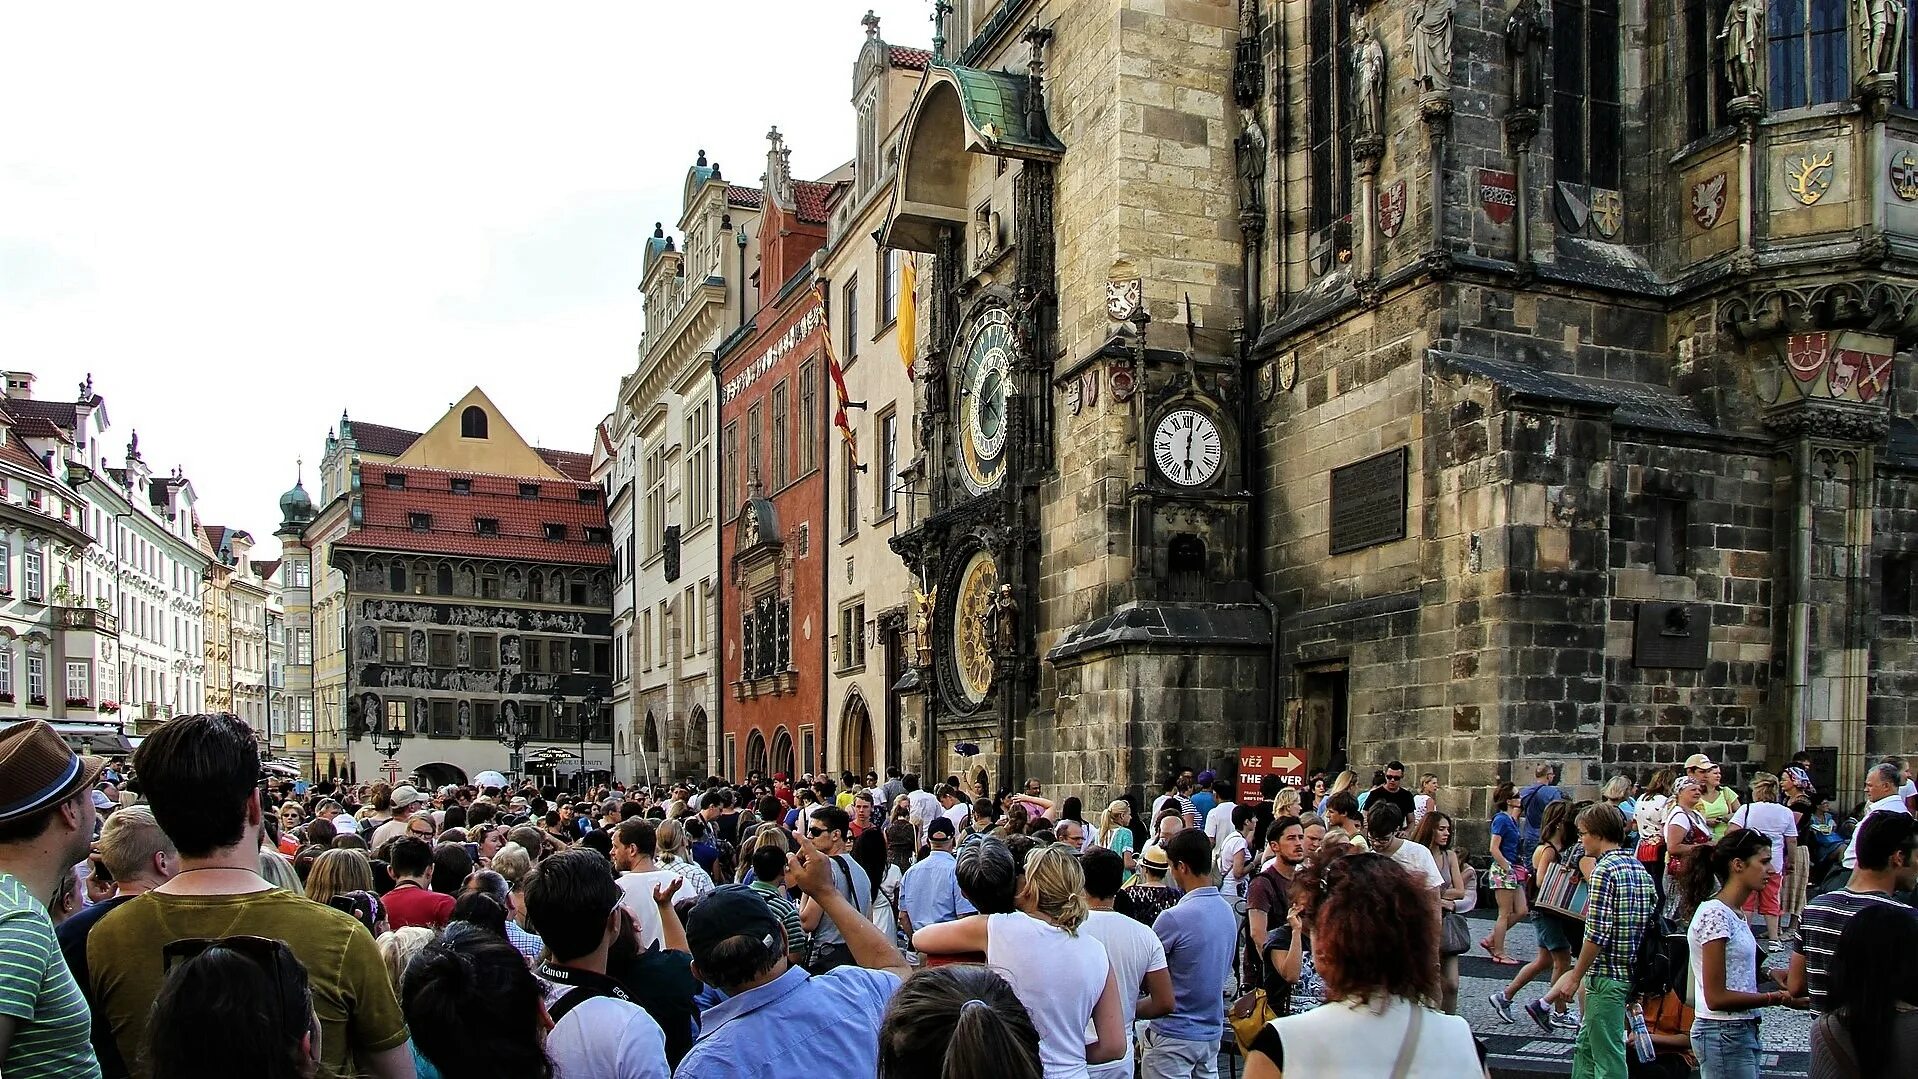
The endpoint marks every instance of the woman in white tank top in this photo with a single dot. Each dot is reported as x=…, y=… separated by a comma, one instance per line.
x=1063, y=978
x=1373, y=931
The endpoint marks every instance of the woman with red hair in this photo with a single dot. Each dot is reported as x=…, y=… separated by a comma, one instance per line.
x=1375, y=942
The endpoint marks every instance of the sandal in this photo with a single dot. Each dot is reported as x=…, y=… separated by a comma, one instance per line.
x=1486, y=943
x=1504, y=960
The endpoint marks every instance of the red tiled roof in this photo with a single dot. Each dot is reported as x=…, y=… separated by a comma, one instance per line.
x=16, y=450
x=215, y=535
x=264, y=570
x=811, y=200
x=381, y=439
x=57, y=413
x=745, y=196
x=39, y=427
x=386, y=517
x=574, y=466
x=914, y=59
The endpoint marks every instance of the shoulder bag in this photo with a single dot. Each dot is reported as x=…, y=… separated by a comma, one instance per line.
x=1408, y=1049
x=1562, y=891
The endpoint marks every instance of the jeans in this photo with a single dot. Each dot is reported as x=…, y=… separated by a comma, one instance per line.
x=1161, y=1057
x=1600, y=1050
x=1726, y=1048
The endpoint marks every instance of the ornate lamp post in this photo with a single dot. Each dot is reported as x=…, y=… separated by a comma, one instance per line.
x=588, y=714
x=387, y=738
x=556, y=709
x=514, y=733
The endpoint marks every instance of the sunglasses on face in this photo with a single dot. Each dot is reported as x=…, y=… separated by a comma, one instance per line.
x=1399, y=776
x=815, y=832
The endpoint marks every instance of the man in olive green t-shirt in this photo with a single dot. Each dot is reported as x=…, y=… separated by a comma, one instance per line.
x=200, y=775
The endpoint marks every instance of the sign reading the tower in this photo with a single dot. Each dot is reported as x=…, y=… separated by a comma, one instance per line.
x=1257, y=762
x=1368, y=502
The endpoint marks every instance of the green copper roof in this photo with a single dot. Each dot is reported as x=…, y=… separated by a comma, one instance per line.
x=995, y=107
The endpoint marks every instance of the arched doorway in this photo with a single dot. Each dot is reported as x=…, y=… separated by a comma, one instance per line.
x=697, y=763
x=783, y=754
x=755, y=753
x=439, y=774
x=978, y=783
x=649, y=763
x=857, y=753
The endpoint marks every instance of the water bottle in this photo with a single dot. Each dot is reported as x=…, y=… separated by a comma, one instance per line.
x=1641, y=1036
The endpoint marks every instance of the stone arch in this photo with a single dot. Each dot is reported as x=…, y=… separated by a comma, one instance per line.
x=858, y=751
x=693, y=758
x=440, y=774
x=782, y=755
x=755, y=753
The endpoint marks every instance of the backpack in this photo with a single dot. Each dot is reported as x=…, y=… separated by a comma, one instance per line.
x=1655, y=971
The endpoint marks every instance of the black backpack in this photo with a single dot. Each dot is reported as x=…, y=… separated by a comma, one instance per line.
x=1656, y=969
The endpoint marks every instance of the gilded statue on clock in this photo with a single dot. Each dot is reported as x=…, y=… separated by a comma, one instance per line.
x=983, y=387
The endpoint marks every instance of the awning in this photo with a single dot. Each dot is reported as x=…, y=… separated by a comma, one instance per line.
x=99, y=739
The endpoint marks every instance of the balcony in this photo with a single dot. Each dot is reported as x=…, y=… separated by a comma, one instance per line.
x=89, y=618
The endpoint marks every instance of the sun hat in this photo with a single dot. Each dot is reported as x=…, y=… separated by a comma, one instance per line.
x=38, y=770
x=1153, y=858
x=1698, y=760
x=406, y=795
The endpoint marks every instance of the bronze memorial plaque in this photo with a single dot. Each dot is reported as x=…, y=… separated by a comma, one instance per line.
x=1368, y=502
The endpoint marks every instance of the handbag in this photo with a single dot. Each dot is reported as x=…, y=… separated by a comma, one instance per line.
x=1409, y=1048
x=1455, y=937
x=1677, y=864
x=1249, y=1015
x=1562, y=892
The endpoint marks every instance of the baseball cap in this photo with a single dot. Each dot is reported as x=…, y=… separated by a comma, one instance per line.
x=734, y=910
x=940, y=828
x=1698, y=760
x=101, y=801
x=406, y=795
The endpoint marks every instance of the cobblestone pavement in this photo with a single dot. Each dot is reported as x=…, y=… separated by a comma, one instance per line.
x=1521, y=1049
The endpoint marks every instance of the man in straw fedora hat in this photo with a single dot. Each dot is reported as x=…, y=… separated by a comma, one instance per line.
x=46, y=825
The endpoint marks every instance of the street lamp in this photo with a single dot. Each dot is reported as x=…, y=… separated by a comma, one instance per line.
x=387, y=741
x=588, y=713
x=514, y=733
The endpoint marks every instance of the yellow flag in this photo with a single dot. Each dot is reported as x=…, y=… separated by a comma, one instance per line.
x=908, y=328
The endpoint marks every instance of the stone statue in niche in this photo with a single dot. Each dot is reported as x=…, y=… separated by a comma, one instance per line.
x=466, y=719
x=508, y=715
x=366, y=643
x=1525, y=48
x=1251, y=147
x=1881, y=27
x=462, y=651
x=509, y=651
x=1368, y=76
x=464, y=583
x=602, y=594
x=514, y=584
x=1004, y=625
x=1740, y=39
x=1432, y=44
x=421, y=721
x=416, y=646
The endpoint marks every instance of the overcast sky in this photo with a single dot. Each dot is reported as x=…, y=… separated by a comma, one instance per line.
x=244, y=217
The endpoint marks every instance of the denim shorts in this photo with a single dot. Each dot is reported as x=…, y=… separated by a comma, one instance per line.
x=1726, y=1048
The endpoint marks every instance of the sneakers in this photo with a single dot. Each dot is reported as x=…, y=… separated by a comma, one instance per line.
x=1503, y=1007
x=1541, y=1014
x=1565, y=1021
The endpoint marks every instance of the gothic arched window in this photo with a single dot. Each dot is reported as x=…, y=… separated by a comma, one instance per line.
x=1807, y=59
x=473, y=422
x=1328, y=127
x=1585, y=100
x=1707, y=91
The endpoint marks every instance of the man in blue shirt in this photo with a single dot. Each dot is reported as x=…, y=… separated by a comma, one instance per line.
x=929, y=891
x=1199, y=934
x=771, y=1006
x=1531, y=806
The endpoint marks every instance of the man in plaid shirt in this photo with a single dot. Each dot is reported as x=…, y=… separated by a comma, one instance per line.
x=1622, y=904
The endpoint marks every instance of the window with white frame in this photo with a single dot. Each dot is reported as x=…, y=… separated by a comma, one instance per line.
x=699, y=432
x=6, y=568
x=36, y=583
x=36, y=678
x=79, y=681
x=6, y=670
x=305, y=714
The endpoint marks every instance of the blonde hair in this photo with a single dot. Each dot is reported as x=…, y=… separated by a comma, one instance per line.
x=1109, y=818
x=1286, y=803
x=398, y=948
x=129, y=840
x=513, y=863
x=278, y=871
x=1618, y=788
x=338, y=871
x=1345, y=782
x=670, y=838
x=1764, y=787
x=1058, y=886
x=771, y=834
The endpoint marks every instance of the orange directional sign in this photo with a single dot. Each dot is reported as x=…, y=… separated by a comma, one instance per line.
x=1257, y=762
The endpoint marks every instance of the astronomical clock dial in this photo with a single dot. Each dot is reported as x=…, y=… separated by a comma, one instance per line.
x=1187, y=447
x=971, y=638
x=984, y=387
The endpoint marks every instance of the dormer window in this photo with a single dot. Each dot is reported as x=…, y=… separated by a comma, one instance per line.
x=598, y=535
x=461, y=485
x=420, y=522
x=589, y=494
x=529, y=491
x=473, y=422
x=486, y=526
x=555, y=533
x=396, y=481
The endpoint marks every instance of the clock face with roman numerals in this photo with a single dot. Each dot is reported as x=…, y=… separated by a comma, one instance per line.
x=1187, y=447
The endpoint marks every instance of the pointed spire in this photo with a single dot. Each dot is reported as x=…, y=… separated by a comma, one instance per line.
x=871, y=23
x=940, y=9
x=779, y=180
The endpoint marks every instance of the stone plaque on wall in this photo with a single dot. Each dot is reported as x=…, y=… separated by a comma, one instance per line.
x=1672, y=635
x=1368, y=502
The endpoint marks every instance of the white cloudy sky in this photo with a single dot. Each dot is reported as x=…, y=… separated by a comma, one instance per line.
x=244, y=217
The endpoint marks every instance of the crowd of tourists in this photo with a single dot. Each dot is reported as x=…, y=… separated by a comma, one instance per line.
x=192, y=916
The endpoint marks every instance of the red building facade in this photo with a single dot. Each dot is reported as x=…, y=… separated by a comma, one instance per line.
x=773, y=403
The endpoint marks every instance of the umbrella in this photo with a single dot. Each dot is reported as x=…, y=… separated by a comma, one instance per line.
x=490, y=779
